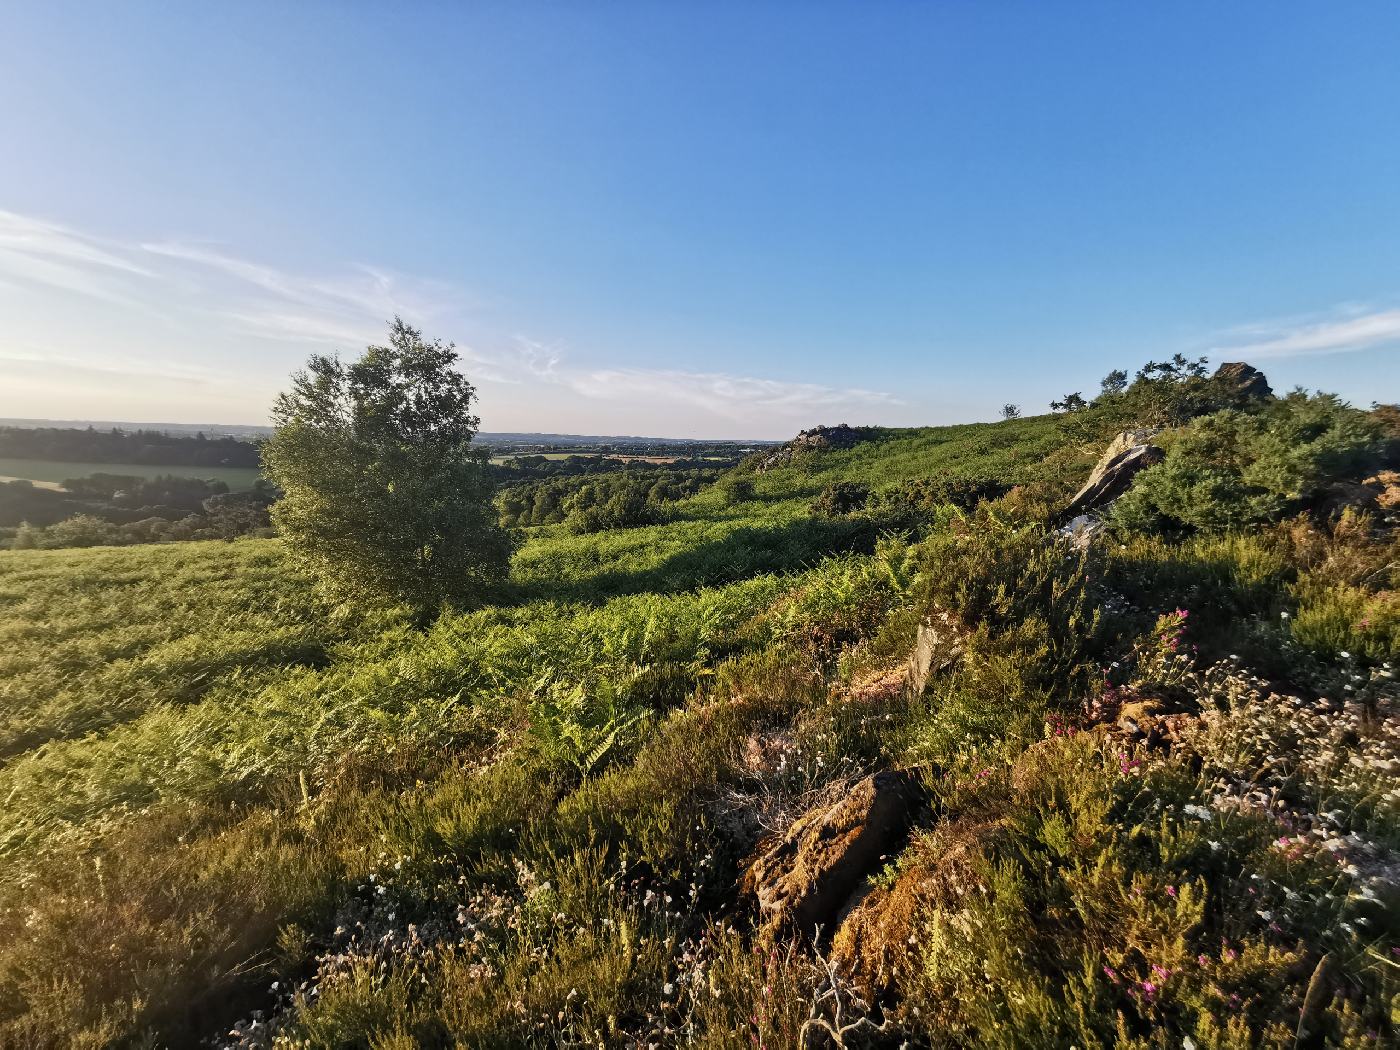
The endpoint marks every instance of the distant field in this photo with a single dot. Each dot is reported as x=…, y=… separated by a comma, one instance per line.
x=657, y=460
x=49, y=472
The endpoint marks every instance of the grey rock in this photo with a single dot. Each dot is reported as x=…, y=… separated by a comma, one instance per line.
x=1246, y=382
x=1128, y=453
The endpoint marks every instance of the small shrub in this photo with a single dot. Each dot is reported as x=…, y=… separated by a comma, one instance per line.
x=840, y=499
x=1234, y=468
x=736, y=489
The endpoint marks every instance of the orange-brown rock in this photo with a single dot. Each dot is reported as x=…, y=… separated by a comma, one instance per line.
x=805, y=878
x=874, y=943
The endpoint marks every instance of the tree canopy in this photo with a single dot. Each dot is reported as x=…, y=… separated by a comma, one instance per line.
x=385, y=498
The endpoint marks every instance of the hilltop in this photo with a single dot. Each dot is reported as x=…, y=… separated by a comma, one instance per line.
x=862, y=744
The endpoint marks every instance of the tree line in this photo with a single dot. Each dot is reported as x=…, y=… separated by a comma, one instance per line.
x=119, y=509
x=146, y=447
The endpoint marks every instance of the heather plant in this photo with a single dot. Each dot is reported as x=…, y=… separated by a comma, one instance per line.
x=1126, y=905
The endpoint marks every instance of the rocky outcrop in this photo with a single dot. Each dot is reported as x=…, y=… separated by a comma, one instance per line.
x=1378, y=494
x=806, y=878
x=1128, y=453
x=818, y=439
x=1244, y=382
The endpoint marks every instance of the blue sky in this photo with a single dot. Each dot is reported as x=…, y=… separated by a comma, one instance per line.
x=716, y=219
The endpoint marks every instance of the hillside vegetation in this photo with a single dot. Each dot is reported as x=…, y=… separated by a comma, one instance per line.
x=1148, y=781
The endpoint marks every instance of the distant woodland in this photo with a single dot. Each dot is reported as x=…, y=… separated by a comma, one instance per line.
x=148, y=447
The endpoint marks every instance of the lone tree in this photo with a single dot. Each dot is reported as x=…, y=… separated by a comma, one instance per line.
x=1071, y=403
x=1010, y=411
x=384, y=496
x=1113, y=384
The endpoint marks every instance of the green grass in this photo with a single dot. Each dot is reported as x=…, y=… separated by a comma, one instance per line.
x=523, y=825
x=51, y=472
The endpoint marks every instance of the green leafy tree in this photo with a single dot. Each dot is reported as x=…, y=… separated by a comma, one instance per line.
x=1010, y=411
x=384, y=496
x=1071, y=403
x=1169, y=393
x=1114, y=383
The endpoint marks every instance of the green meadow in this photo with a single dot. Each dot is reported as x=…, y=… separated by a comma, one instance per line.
x=233, y=811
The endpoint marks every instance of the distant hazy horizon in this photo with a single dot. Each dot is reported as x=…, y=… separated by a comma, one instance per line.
x=251, y=429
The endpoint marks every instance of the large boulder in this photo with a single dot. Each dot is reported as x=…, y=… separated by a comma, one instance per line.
x=1128, y=453
x=1244, y=382
x=804, y=880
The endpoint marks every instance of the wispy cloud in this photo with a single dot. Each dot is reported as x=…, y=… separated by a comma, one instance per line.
x=1347, y=329
x=540, y=359
x=729, y=396
x=212, y=309
x=305, y=328
x=240, y=295
x=34, y=252
x=51, y=242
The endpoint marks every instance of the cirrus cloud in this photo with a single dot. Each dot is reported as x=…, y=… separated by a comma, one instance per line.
x=729, y=396
x=156, y=317
x=1347, y=330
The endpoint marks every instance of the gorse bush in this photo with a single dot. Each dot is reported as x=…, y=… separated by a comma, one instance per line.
x=1234, y=468
x=840, y=498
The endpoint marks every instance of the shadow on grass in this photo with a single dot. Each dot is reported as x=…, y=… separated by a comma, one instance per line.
x=746, y=551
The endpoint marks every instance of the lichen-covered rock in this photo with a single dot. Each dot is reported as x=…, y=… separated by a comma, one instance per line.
x=1081, y=530
x=1128, y=453
x=803, y=881
x=937, y=647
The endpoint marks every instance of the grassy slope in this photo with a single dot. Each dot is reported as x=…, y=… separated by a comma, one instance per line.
x=120, y=650
x=194, y=753
x=135, y=664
